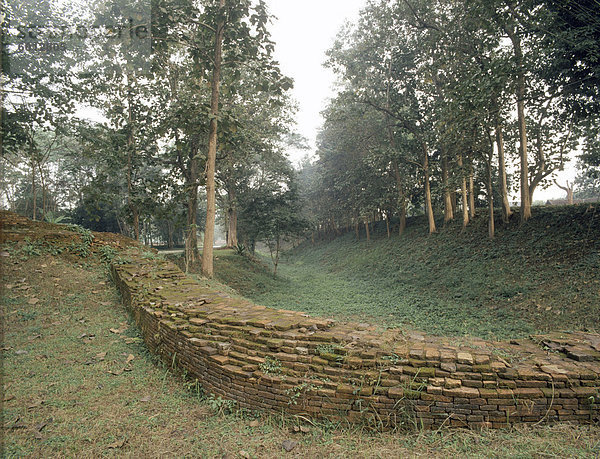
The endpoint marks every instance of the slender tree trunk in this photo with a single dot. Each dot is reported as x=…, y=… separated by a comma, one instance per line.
x=209, y=232
x=367, y=229
x=490, y=190
x=506, y=212
x=453, y=200
x=471, y=192
x=401, y=198
x=520, y=94
x=387, y=224
x=33, y=190
x=463, y=189
x=44, y=192
x=357, y=230
x=232, y=239
x=428, y=204
x=276, y=262
x=170, y=230
x=403, y=212
x=448, y=210
x=191, y=238
x=130, y=155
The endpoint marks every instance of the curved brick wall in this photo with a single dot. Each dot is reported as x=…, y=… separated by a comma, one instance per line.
x=284, y=360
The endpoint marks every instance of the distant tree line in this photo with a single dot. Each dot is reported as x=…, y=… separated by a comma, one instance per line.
x=448, y=106
x=201, y=122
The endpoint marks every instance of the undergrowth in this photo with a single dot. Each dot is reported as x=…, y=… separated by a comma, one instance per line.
x=536, y=277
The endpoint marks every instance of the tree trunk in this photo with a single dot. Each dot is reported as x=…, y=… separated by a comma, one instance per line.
x=506, y=212
x=428, y=204
x=448, y=210
x=130, y=155
x=209, y=232
x=44, y=192
x=569, y=189
x=33, y=190
x=463, y=189
x=520, y=94
x=401, y=198
x=232, y=239
x=357, y=230
x=387, y=224
x=490, y=192
x=367, y=228
x=471, y=192
x=276, y=262
x=170, y=230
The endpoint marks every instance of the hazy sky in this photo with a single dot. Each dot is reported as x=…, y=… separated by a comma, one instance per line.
x=303, y=31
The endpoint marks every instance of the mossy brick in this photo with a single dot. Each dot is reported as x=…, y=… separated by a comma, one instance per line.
x=462, y=392
x=527, y=393
x=450, y=383
x=345, y=389
x=395, y=392
x=417, y=353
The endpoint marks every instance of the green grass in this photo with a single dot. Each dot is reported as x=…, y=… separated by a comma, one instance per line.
x=537, y=277
x=66, y=392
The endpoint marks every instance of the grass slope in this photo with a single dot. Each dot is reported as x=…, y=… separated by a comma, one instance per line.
x=544, y=275
x=77, y=381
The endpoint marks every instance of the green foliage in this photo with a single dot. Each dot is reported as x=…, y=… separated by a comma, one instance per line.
x=37, y=248
x=51, y=217
x=271, y=366
x=83, y=248
x=296, y=392
x=220, y=405
x=107, y=253
x=456, y=283
x=240, y=249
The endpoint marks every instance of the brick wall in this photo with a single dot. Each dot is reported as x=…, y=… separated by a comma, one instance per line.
x=284, y=360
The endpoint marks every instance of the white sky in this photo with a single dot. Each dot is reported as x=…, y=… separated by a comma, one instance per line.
x=303, y=31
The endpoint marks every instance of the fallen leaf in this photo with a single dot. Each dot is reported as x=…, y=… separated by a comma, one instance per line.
x=254, y=423
x=95, y=292
x=17, y=425
x=38, y=429
x=304, y=429
x=289, y=445
x=116, y=331
x=101, y=356
x=117, y=444
x=33, y=301
x=35, y=404
x=21, y=352
x=9, y=286
x=130, y=357
x=244, y=454
x=116, y=373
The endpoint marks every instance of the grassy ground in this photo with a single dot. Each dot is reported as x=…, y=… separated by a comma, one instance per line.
x=78, y=382
x=541, y=276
